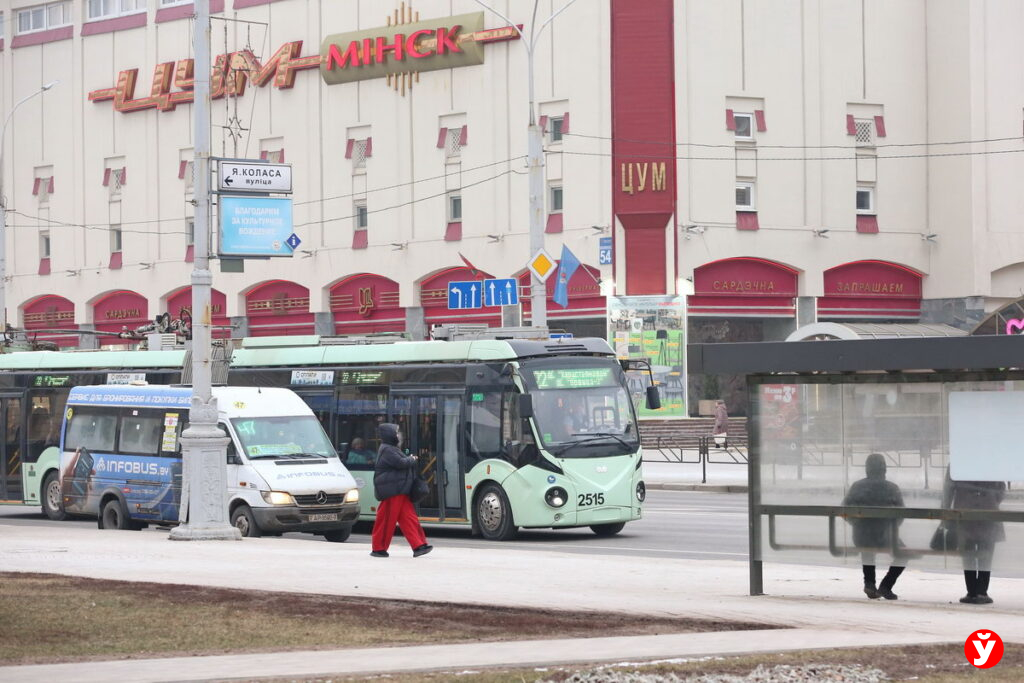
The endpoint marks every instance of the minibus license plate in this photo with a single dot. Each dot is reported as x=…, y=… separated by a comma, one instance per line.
x=325, y=517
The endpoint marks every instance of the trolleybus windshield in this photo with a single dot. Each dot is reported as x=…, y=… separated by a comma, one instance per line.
x=581, y=406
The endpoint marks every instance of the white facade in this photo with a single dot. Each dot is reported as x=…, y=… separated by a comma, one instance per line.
x=936, y=71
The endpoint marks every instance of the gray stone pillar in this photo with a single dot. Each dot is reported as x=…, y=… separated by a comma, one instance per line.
x=323, y=324
x=512, y=316
x=239, y=326
x=806, y=311
x=415, y=324
x=88, y=341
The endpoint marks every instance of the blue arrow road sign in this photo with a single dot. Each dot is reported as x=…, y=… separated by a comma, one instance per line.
x=503, y=292
x=464, y=294
x=293, y=241
x=604, y=251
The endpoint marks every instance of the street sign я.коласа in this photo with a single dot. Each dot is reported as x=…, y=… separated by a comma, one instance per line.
x=253, y=176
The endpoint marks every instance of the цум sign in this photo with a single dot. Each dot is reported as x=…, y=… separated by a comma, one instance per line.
x=255, y=226
x=246, y=176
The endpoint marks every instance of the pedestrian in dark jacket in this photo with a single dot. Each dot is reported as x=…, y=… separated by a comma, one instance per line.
x=393, y=478
x=876, y=535
x=976, y=539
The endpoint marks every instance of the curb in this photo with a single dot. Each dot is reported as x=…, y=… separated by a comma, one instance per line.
x=711, y=488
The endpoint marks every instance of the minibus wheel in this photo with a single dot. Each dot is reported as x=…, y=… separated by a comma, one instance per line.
x=243, y=520
x=494, y=514
x=338, y=535
x=53, y=507
x=115, y=516
x=607, y=529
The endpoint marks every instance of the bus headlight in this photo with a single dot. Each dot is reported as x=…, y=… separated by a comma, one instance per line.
x=556, y=497
x=352, y=496
x=278, y=497
x=641, y=491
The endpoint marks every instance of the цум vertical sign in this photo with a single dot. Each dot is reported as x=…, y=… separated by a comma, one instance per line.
x=255, y=226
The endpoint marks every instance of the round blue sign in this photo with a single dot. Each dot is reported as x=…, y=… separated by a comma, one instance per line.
x=551, y=479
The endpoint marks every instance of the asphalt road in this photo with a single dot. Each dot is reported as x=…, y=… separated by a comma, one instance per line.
x=676, y=524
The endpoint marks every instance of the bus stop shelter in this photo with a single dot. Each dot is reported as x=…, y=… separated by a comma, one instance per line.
x=945, y=413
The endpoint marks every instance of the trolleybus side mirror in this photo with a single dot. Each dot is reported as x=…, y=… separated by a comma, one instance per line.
x=525, y=405
x=653, y=398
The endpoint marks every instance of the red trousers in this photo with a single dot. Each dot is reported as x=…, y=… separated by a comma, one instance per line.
x=397, y=510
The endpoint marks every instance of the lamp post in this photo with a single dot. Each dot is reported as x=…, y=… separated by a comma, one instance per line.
x=204, y=505
x=3, y=206
x=534, y=160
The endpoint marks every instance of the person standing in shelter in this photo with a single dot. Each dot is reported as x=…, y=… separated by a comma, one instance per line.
x=721, y=429
x=393, y=478
x=976, y=539
x=873, y=535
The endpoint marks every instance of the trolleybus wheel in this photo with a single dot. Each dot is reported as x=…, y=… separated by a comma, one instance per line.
x=115, y=516
x=607, y=529
x=243, y=520
x=53, y=507
x=338, y=535
x=494, y=514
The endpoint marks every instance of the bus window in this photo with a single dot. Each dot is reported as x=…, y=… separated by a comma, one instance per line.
x=484, y=426
x=140, y=432
x=91, y=428
x=360, y=410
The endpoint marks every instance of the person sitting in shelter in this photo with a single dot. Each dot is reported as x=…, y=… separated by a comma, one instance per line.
x=358, y=453
x=873, y=535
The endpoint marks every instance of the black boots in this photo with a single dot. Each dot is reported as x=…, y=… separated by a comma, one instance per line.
x=885, y=589
x=977, y=587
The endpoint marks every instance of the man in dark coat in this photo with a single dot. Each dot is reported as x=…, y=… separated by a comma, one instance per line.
x=393, y=478
x=876, y=535
x=976, y=539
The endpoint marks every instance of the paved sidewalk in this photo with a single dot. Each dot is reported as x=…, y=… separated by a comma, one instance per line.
x=825, y=603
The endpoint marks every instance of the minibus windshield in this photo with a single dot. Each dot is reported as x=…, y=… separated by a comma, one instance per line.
x=282, y=437
x=581, y=406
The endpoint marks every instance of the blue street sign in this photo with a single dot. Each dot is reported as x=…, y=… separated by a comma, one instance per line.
x=255, y=226
x=604, y=251
x=293, y=241
x=465, y=294
x=560, y=335
x=503, y=292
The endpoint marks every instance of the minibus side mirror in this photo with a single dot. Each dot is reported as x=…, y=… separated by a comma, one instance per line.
x=525, y=405
x=653, y=398
x=233, y=458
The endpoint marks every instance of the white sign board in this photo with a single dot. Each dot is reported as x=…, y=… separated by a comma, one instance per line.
x=982, y=446
x=125, y=377
x=253, y=176
x=312, y=377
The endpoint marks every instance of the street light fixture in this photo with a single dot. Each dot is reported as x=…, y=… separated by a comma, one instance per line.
x=3, y=208
x=534, y=160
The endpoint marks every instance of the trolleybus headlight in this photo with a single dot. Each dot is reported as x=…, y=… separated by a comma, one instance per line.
x=278, y=497
x=556, y=497
x=352, y=496
x=641, y=491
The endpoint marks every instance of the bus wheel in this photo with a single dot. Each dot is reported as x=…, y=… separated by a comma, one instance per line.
x=607, y=529
x=494, y=514
x=243, y=520
x=53, y=507
x=114, y=516
x=338, y=535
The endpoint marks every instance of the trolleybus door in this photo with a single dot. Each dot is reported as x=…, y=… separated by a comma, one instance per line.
x=431, y=428
x=11, y=429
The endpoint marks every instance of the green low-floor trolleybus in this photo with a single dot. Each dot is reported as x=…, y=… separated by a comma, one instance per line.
x=510, y=433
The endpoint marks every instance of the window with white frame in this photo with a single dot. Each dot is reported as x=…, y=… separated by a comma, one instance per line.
x=453, y=144
x=359, y=154
x=116, y=181
x=44, y=17
x=455, y=208
x=44, y=244
x=167, y=3
x=361, y=216
x=744, y=125
x=108, y=9
x=865, y=132
x=3, y=26
x=275, y=156
x=190, y=231
x=555, y=199
x=555, y=129
x=865, y=199
x=42, y=188
x=115, y=238
x=188, y=175
x=745, y=196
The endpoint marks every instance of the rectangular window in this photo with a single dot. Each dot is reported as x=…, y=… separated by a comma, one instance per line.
x=865, y=132
x=140, y=432
x=42, y=186
x=44, y=17
x=362, y=219
x=275, y=156
x=91, y=428
x=555, y=199
x=190, y=231
x=745, y=196
x=454, y=208
x=865, y=200
x=115, y=238
x=360, y=409
x=44, y=244
x=453, y=144
x=359, y=154
x=166, y=3
x=744, y=126
x=555, y=128
x=115, y=179
x=108, y=9
x=187, y=173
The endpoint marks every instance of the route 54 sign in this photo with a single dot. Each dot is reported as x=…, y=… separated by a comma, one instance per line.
x=253, y=176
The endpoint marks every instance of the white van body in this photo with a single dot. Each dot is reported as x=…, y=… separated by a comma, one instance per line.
x=121, y=460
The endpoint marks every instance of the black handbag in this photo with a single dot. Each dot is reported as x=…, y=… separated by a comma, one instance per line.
x=419, y=489
x=944, y=538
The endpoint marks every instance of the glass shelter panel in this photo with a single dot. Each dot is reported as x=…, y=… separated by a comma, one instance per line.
x=887, y=449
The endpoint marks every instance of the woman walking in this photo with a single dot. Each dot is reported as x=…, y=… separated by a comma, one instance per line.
x=393, y=479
